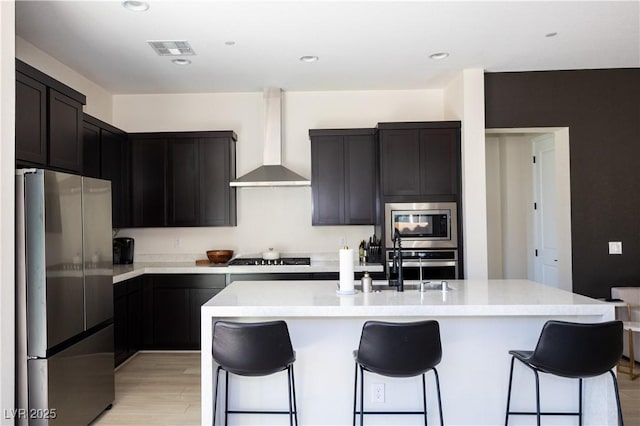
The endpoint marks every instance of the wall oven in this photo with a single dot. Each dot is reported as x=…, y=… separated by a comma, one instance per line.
x=422, y=225
x=427, y=264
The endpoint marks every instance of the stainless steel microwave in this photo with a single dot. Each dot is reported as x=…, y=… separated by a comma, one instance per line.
x=422, y=225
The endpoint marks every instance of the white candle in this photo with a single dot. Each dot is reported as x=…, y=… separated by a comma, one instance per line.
x=346, y=270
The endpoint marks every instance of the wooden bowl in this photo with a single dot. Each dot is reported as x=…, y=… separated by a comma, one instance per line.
x=219, y=256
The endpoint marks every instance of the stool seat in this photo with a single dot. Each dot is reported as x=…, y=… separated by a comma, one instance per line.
x=571, y=350
x=253, y=349
x=398, y=350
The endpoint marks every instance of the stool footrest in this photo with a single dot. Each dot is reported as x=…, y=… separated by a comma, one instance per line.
x=546, y=413
x=258, y=412
x=392, y=412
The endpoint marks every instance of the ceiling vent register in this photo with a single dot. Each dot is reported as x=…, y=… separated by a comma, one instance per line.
x=172, y=48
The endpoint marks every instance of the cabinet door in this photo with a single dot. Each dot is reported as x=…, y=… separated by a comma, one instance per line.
x=148, y=180
x=120, y=322
x=197, y=297
x=91, y=150
x=217, y=168
x=360, y=180
x=439, y=161
x=171, y=319
x=115, y=167
x=31, y=120
x=183, y=183
x=400, y=157
x=65, y=132
x=327, y=180
x=134, y=316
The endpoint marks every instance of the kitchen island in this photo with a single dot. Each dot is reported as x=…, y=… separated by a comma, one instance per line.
x=480, y=321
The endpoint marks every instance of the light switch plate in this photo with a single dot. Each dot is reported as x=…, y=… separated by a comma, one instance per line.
x=615, y=247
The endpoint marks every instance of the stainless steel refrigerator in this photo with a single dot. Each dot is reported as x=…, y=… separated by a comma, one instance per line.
x=64, y=296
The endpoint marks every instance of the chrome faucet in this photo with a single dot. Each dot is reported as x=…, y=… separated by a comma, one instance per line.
x=396, y=265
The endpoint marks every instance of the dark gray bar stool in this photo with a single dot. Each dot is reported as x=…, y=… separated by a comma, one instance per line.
x=253, y=349
x=398, y=350
x=572, y=350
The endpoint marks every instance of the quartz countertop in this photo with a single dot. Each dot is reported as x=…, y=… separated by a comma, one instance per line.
x=466, y=298
x=125, y=272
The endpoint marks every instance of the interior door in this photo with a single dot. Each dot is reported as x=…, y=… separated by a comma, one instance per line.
x=545, y=215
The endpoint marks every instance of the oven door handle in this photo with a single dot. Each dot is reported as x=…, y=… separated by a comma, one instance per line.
x=429, y=263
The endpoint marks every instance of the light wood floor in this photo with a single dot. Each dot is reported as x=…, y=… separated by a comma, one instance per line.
x=164, y=389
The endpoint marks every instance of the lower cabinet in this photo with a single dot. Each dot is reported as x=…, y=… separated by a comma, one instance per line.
x=127, y=318
x=171, y=308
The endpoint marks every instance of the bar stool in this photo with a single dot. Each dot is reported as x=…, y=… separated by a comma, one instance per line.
x=253, y=349
x=571, y=350
x=398, y=350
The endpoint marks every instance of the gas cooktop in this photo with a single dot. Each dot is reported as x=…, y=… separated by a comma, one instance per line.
x=258, y=261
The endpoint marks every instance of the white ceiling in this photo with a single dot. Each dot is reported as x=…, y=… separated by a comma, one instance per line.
x=366, y=45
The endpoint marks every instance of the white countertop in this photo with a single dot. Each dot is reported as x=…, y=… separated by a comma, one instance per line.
x=467, y=298
x=125, y=272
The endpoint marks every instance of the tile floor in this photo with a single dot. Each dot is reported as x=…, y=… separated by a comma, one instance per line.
x=164, y=389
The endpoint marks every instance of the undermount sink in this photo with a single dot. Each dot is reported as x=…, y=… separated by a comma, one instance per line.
x=409, y=285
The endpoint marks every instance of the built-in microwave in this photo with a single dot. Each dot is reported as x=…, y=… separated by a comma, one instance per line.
x=422, y=225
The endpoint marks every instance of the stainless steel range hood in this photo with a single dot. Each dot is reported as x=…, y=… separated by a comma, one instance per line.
x=272, y=172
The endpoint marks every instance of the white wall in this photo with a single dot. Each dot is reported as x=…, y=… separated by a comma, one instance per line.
x=464, y=100
x=7, y=195
x=267, y=217
x=99, y=102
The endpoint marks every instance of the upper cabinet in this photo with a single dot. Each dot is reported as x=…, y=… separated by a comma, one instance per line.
x=182, y=179
x=106, y=156
x=49, y=130
x=420, y=161
x=343, y=176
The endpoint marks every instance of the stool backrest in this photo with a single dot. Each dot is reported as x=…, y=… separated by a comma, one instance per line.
x=252, y=349
x=578, y=350
x=400, y=349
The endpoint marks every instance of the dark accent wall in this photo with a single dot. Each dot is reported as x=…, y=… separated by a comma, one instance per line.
x=602, y=110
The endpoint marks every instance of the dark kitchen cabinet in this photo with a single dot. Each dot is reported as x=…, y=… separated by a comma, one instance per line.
x=182, y=179
x=49, y=131
x=171, y=308
x=344, y=176
x=90, y=149
x=31, y=120
x=127, y=318
x=420, y=160
x=148, y=169
x=106, y=156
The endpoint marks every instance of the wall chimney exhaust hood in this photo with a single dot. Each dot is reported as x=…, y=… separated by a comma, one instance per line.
x=272, y=172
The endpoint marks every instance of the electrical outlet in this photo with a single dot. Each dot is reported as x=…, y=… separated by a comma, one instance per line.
x=615, y=247
x=377, y=392
x=343, y=241
x=176, y=243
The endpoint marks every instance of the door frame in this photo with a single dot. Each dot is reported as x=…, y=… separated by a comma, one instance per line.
x=563, y=188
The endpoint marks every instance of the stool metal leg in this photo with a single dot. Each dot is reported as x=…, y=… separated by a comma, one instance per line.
x=226, y=398
x=355, y=394
x=361, y=396
x=439, y=398
x=537, y=398
x=615, y=388
x=293, y=411
x=506, y=419
x=424, y=398
x=215, y=396
x=580, y=402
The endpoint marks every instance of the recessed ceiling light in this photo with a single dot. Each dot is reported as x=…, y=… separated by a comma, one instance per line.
x=181, y=61
x=135, y=6
x=309, y=58
x=551, y=34
x=439, y=55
